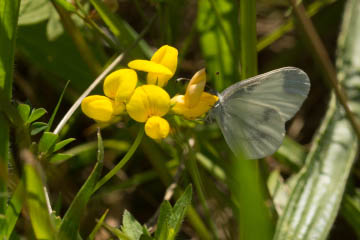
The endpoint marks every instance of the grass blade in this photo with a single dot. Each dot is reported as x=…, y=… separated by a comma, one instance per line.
x=70, y=224
x=98, y=226
x=315, y=200
x=15, y=206
x=51, y=120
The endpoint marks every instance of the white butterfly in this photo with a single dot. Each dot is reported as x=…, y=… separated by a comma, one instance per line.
x=252, y=113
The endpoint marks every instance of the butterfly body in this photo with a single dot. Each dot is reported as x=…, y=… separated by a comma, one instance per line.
x=252, y=113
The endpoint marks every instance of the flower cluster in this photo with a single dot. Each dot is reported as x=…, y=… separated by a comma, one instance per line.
x=149, y=103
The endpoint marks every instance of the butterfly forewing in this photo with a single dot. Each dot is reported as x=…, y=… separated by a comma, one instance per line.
x=252, y=113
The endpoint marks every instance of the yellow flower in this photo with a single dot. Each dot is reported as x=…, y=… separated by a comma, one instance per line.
x=157, y=127
x=148, y=104
x=196, y=102
x=99, y=108
x=119, y=86
x=160, y=68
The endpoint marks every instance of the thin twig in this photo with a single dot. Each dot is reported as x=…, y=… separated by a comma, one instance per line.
x=325, y=61
x=99, y=79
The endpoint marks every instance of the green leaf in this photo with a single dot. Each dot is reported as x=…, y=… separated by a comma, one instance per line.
x=165, y=213
x=37, y=127
x=180, y=209
x=60, y=157
x=35, y=198
x=70, y=224
x=54, y=27
x=131, y=227
x=315, y=200
x=125, y=34
x=63, y=143
x=24, y=111
x=98, y=225
x=36, y=114
x=34, y=11
x=47, y=141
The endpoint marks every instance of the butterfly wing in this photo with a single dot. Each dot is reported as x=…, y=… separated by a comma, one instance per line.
x=252, y=113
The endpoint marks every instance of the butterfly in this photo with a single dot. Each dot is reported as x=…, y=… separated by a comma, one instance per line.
x=252, y=113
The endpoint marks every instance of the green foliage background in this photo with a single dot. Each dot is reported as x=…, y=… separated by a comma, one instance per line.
x=77, y=183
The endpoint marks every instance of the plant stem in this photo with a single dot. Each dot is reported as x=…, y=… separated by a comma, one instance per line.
x=123, y=161
x=324, y=60
x=9, y=11
x=246, y=184
x=248, y=39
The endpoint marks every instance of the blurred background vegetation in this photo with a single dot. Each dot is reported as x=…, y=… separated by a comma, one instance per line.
x=293, y=194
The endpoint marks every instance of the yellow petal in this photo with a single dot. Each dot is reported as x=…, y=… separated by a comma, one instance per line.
x=195, y=88
x=99, y=108
x=157, y=79
x=149, y=66
x=119, y=85
x=157, y=127
x=147, y=101
x=118, y=107
x=205, y=103
x=167, y=56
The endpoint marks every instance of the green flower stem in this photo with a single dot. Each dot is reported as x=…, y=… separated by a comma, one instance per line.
x=123, y=161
